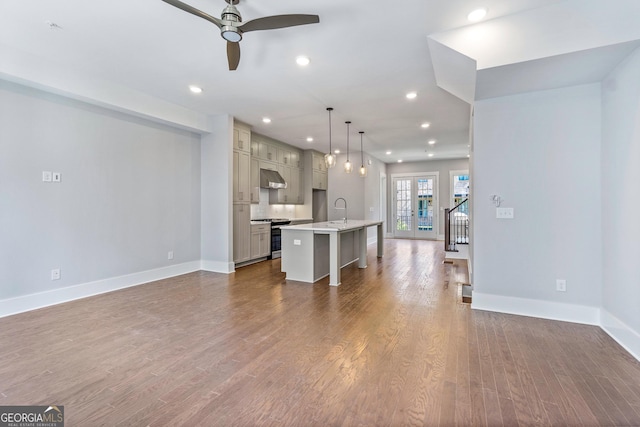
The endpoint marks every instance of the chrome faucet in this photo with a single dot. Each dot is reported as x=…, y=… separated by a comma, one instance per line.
x=335, y=206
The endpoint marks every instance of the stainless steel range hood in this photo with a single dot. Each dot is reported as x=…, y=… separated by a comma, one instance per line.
x=271, y=179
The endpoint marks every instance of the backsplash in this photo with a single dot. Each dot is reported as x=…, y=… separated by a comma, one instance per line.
x=264, y=210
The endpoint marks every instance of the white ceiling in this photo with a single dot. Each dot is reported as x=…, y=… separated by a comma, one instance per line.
x=365, y=56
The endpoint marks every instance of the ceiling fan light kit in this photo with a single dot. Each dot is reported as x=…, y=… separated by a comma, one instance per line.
x=231, y=25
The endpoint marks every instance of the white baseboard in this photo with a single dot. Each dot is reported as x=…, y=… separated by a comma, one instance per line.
x=537, y=308
x=30, y=302
x=217, y=266
x=621, y=332
x=624, y=335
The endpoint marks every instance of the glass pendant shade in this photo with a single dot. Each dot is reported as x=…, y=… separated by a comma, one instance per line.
x=363, y=171
x=330, y=158
x=348, y=166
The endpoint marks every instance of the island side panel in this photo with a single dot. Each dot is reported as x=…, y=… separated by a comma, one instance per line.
x=321, y=254
x=349, y=247
x=298, y=259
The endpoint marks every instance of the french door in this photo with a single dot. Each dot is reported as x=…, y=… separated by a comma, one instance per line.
x=415, y=201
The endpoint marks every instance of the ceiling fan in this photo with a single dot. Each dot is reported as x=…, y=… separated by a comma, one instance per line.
x=232, y=27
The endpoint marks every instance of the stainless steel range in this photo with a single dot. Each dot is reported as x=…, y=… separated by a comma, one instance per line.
x=276, y=234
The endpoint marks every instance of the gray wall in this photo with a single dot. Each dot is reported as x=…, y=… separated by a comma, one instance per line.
x=621, y=194
x=541, y=153
x=361, y=194
x=217, y=195
x=130, y=192
x=444, y=185
x=350, y=186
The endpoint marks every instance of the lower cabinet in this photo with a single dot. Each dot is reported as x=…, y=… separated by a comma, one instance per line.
x=241, y=232
x=260, y=241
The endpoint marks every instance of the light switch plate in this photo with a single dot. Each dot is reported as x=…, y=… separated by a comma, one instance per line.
x=46, y=176
x=297, y=242
x=504, y=213
x=56, y=176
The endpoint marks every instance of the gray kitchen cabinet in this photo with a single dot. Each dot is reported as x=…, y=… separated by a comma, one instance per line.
x=260, y=241
x=319, y=180
x=268, y=165
x=267, y=151
x=299, y=194
x=318, y=163
x=241, y=138
x=255, y=180
x=284, y=156
x=241, y=232
x=241, y=176
x=295, y=158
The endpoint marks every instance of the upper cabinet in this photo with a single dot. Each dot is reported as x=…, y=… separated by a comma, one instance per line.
x=241, y=176
x=285, y=159
x=241, y=163
x=241, y=137
x=264, y=148
x=318, y=162
x=319, y=175
x=289, y=156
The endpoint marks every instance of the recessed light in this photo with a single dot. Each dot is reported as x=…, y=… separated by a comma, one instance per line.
x=336, y=151
x=399, y=161
x=266, y=120
x=430, y=154
x=468, y=155
x=425, y=125
x=388, y=153
x=302, y=61
x=412, y=95
x=309, y=139
x=195, y=89
x=432, y=141
x=477, y=14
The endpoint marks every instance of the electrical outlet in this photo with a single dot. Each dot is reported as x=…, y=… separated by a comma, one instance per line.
x=46, y=176
x=297, y=242
x=561, y=285
x=55, y=274
x=170, y=255
x=56, y=176
x=504, y=213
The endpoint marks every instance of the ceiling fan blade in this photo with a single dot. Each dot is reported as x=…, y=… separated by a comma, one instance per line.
x=233, y=55
x=278, y=21
x=195, y=11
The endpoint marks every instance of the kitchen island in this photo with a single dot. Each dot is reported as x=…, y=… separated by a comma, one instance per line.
x=313, y=251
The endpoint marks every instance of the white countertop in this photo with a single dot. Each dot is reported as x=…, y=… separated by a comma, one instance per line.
x=338, y=225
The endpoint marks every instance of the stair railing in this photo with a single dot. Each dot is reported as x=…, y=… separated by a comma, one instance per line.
x=456, y=227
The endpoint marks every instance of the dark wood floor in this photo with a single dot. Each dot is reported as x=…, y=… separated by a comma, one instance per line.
x=392, y=346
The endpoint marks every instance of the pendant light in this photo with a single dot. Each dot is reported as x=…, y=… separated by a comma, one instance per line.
x=363, y=170
x=348, y=166
x=330, y=158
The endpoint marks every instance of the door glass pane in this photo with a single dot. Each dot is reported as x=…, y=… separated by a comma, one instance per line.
x=403, y=205
x=461, y=192
x=425, y=204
